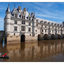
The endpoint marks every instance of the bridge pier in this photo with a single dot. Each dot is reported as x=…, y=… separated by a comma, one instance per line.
x=1, y=36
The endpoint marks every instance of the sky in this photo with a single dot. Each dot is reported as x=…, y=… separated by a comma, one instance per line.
x=53, y=11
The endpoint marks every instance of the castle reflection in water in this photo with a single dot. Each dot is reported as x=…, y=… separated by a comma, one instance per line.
x=33, y=51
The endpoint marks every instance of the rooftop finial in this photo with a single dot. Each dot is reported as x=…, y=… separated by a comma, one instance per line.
x=8, y=9
x=34, y=13
x=8, y=4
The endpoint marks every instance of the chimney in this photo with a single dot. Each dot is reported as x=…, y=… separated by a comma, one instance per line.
x=24, y=9
x=32, y=14
x=19, y=8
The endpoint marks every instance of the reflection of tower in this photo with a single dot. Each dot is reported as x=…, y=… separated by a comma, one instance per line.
x=7, y=20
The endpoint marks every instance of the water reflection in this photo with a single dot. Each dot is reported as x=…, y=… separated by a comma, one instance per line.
x=3, y=43
x=46, y=50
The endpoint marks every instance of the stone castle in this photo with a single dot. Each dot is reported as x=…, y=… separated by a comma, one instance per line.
x=19, y=25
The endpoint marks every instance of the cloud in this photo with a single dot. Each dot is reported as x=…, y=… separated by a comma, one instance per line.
x=49, y=16
x=1, y=19
x=49, y=10
x=44, y=4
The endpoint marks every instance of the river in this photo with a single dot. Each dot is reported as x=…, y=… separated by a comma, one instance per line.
x=41, y=51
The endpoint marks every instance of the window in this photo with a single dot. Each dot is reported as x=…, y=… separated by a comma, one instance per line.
x=22, y=28
x=29, y=18
x=29, y=29
x=19, y=15
x=23, y=17
x=29, y=24
x=15, y=28
x=23, y=22
x=52, y=30
x=15, y=15
x=36, y=24
x=15, y=22
x=42, y=30
x=45, y=30
x=36, y=30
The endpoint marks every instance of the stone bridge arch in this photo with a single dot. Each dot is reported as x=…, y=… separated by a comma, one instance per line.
x=59, y=36
x=53, y=36
x=46, y=37
x=22, y=38
x=39, y=37
x=63, y=36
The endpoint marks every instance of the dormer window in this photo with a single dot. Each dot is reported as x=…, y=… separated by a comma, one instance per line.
x=27, y=17
x=23, y=17
x=15, y=15
x=19, y=15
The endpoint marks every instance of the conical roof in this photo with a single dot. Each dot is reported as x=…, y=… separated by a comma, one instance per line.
x=8, y=9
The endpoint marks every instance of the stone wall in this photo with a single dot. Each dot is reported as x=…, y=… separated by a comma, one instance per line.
x=17, y=38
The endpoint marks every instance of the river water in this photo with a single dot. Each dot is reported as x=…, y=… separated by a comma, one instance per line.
x=41, y=51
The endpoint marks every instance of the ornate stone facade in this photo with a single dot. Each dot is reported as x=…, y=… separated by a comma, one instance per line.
x=20, y=25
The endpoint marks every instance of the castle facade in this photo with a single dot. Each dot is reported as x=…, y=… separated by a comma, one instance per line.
x=20, y=25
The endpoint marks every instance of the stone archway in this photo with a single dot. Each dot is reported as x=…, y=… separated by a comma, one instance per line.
x=46, y=37
x=52, y=36
x=59, y=36
x=39, y=37
x=23, y=38
x=63, y=36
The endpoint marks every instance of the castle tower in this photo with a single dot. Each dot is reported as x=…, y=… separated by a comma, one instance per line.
x=33, y=23
x=7, y=20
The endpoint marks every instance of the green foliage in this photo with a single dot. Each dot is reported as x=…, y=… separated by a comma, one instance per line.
x=3, y=38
